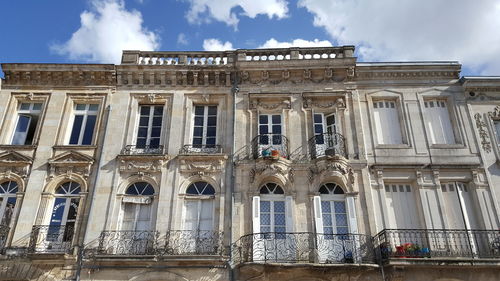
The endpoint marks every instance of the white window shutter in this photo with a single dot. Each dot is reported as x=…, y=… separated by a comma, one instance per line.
x=288, y=213
x=206, y=215
x=448, y=134
x=256, y=214
x=318, y=215
x=351, y=212
x=378, y=125
x=144, y=217
x=190, y=215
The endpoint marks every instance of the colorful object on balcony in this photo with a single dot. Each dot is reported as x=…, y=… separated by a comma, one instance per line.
x=266, y=153
x=275, y=153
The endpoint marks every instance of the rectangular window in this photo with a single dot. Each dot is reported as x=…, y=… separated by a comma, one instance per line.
x=205, y=126
x=150, y=124
x=387, y=126
x=27, y=121
x=438, y=122
x=85, y=117
x=324, y=124
x=270, y=129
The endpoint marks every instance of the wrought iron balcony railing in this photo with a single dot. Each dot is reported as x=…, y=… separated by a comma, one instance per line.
x=269, y=145
x=442, y=243
x=303, y=247
x=327, y=144
x=55, y=239
x=173, y=243
x=142, y=150
x=201, y=149
x=193, y=242
x=129, y=243
x=4, y=232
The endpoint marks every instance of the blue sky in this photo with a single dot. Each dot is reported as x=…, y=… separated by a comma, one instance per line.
x=95, y=31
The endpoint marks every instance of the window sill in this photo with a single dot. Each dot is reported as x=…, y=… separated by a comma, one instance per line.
x=73, y=146
x=18, y=146
x=392, y=146
x=447, y=146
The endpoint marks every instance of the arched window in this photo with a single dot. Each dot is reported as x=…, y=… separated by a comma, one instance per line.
x=271, y=213
x=67, y=199
x=137, y=207
x=199, y=207
x=331, y=205
x=8, y=190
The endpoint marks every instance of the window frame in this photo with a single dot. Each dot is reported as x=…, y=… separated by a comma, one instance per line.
x=428, y=103
x=144, y=197
x=29, y=112
x=150, y=124
x=205, y=126
x=85, y=113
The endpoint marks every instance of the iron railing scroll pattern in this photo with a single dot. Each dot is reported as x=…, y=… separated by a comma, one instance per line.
x=55, y=239
x=327, y=144
x=142, y=150
x=201, y=149
x=270, y=146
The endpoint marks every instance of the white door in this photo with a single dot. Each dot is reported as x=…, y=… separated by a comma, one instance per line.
x=198, y=236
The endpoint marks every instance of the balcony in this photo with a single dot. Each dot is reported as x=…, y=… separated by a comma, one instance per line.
x=151, y=243
x=438, y=244
x=198, y=149
x=143, y=150
x=270, y=146
x=303, y=247
x=51, y=239
x=327, y=144
x=4, y=232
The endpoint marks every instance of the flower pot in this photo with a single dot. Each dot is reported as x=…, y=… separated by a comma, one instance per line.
x=266, y=153
x=275, y=153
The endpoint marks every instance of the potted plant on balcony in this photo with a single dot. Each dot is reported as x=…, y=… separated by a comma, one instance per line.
x=275, y=153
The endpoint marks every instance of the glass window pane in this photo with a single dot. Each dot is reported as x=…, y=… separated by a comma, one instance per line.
x=142, y=133
x=197, y=141
x=154, y=142
x=279, y=206
x=210, y=141
x=157, y=121
x=318, y=129
x=75, y=132
x=341, y=220
x=263, y=119
x=80, y=106
x=212, y=110
x=339, y=207
x=24, y=106
x=277, y=129
x=89, y=130
x=145, y=110
x=327, y=219
x=198, y=121
x=37, y=106
x=276, y=119
x=144, y=121
x=21, y=131
x=264, y=139
x=263, y=129
x=318, y=118
x=265, y=206
x=198, y=131
x=279, y=219
x=211, y=131
x=199, y=110
x=265, y=219
x=8, y=211
x=325, y=207
x=212, y=121
x=93, y=107
x=141, y=142
x=155, y=132
x=158, y=110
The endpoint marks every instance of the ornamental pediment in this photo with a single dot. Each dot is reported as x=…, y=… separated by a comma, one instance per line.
x=12, y=157
x=70, y=162
x=16, y=163
x=321, y=101
x=266, y=168
x=269, y=101
x=71, y=157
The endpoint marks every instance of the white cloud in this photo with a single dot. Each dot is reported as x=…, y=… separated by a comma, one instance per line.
x=105, y=31
x=415, y=30
x=213, y=44
x=273, y=43
x=182, y=39
x=202, y=11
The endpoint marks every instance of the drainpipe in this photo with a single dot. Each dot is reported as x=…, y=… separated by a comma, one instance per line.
x=96, y=178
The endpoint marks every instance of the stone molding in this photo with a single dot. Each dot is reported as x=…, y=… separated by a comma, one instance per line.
x=70, y=162
x=202, y=165
x=16, y=163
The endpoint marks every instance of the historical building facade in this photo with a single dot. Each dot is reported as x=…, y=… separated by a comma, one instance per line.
x=269, y=164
